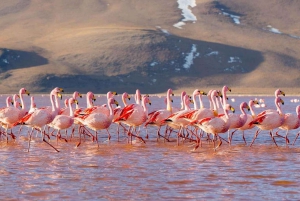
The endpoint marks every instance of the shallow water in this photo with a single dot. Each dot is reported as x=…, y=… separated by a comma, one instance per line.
x=152, y=171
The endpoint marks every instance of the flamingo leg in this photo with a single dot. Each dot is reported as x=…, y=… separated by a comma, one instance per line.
x=255, y=136
x=232, y=136
x=244, y=138
x=287, y=141
x=96, y=134
x=29, y=139
x=109, y=136
x=296, y=137
x=271, y=134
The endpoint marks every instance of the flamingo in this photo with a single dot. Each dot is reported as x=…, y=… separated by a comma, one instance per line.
x=66, y=110
x=177, y=120
x=291, y=122
x=250, y=118
x=216, y=125
x=118, y=110
x=62, y=121
x=41, y=117
x=135, y=115
x=158, y=116
x=98, y=121
x=237, y=121
x=269, y=120
x=11, y=115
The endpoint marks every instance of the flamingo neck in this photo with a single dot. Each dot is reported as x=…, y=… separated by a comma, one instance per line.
x=32, y=102
x=137, y=97
x=224, y=90
x=89, y=101
x=7, y=101
x=195, y=104
x=124, y=100
x=298, y=111
x=251, y=108
x=71, y=109
x=242, y=109
x=201, y=102
x=22, y=101
x=57, y=104
x=169, y=104
x=226, y=113
x=217, y=103
x=52, y=102
x=182, y=101
x=278, y=107
x=145, y=107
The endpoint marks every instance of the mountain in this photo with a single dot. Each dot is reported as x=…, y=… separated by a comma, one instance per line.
x=101, y=45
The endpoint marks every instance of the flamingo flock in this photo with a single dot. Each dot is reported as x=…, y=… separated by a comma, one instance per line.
x=194, y=124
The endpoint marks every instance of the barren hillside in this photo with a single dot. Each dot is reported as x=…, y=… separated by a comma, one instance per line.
x=100, y=45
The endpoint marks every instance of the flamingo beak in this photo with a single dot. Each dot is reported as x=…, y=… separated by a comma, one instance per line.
x=248, y=108
x=93, y=98
x=229, y=89
x=27, y=92
x=172, y=94
x=20, y=105
x=149, y=102
x=232, y=109
x=128, y=97
x=61, y=90
x=172, y=100
x=59, y=95
x=114, y=93
x=203, y=93
x=116, y=103
x=76, y=101
x=282, y=93
x=282, y=101
x=12, y=102
x=80, y=95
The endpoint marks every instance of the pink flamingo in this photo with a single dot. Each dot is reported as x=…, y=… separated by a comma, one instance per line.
x=237, y=121
x=135, y=115
x=118, y=110
x=98, y=121
x=291, y=122
x=216, y=125
x=269, y=120
x=158, y=116
x=250, y=118
x=11, y=115
x=177, y=120
x=61, y=122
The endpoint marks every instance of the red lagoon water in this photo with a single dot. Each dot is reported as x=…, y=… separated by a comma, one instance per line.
x=152, y=171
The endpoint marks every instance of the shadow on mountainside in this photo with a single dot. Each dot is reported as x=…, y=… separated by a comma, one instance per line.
x=16, y=59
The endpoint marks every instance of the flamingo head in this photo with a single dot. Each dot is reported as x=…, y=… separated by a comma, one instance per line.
x=146, y=100
x=72, y=101
x=226, y=88
x=113, y=101
x=9, y=100
x=279, y=100
x=229, y=107
x=77, y=94
x=245, y=105
x=24, y=91
x=91, y=96
x=279, y=92
x=126, y=95
x=170, y=91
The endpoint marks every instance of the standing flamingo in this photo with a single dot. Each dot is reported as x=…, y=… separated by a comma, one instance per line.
x=250, y=118
x=159, y=115
x=98, y=121
x=291, y=122
x=135, y=115
x=237, y=121
x=61, y=122
x=11, y=115
x=269, y=120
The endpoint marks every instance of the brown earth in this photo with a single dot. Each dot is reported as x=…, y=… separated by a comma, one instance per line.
x=102, y=45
